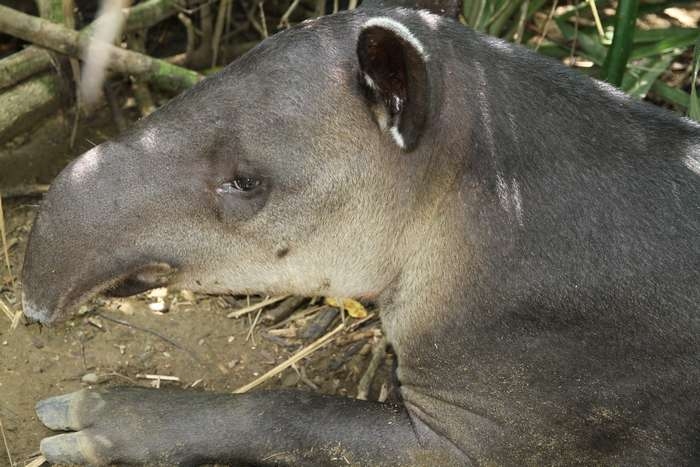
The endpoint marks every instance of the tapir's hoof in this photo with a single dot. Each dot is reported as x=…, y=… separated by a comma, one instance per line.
x=71, y=448
x=55, y=412
x=120, y=425
x=75, y=411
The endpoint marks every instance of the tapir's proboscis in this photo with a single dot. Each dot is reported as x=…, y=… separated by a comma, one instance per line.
x=531, y=236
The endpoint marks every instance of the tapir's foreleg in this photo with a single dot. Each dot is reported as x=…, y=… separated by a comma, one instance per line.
x=174, y=427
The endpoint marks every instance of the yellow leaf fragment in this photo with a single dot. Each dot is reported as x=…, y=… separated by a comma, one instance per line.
x=353, y=307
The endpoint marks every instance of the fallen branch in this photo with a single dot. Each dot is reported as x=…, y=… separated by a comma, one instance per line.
x=149, y=13
x=52, y=10
x=41, y=96
x=32, y=60
x=282, y=311
x=378, y=353
x=160, y=73
x=23, y=104
x=24, y=190
x=144, y=101
x=319, y=324
x=23, y=64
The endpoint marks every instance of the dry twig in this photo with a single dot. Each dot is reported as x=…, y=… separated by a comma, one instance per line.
x=545, y=27
x=6, y=253
x=284, y=20
x=37, y=462
x=306, y=351
x=158, y=377
x=252, y=327
x=7, y=310
x=256, y=306
x=263, y=21
x=4, y=440
x=221, y=17
x=5, y=249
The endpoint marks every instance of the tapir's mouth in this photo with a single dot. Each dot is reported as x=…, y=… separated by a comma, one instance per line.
x=145, y=278
x=135, y=280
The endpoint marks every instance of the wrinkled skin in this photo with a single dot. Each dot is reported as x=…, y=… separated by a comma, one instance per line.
x=534, y=249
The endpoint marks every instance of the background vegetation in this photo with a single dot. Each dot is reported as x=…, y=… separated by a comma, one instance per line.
x=645, y=48
x=649, y=48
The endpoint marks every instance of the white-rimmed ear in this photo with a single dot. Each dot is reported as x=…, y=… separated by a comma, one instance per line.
x=394, y=73
x=448, y=8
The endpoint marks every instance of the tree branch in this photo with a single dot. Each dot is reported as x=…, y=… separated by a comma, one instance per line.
x=72, y=43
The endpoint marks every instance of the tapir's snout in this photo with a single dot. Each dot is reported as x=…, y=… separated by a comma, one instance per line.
x=89, y=235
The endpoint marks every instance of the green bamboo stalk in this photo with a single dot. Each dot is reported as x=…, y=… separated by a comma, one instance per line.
x=619, y=52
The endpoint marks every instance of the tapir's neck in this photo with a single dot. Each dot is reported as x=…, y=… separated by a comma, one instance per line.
x=431, y=279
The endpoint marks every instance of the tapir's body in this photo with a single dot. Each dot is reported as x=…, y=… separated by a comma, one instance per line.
x=534, y=248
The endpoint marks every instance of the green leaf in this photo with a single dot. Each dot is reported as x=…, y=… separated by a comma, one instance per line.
x=588, y=43
x=675, y=96
x=553, y=50
x=659, y=34
x=665, y=45
x=641, y=75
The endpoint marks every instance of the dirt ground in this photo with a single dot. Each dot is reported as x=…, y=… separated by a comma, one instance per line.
x=178, y=335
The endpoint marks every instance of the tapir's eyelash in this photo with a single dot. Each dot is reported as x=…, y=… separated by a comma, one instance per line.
x=238, y=185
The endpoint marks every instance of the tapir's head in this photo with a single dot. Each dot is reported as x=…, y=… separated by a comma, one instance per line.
x=295, y=170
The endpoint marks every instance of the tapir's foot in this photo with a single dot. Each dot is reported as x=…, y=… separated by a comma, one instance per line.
x=125, y=425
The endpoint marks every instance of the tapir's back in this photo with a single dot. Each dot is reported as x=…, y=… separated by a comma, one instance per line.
x=578, y=327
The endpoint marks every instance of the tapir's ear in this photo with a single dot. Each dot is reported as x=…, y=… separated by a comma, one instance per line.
x=394, y=74
x=449, y=8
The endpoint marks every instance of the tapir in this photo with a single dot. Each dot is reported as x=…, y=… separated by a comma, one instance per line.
x=531, y=236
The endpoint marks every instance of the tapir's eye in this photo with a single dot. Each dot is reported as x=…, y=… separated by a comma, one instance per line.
x=238, y=185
